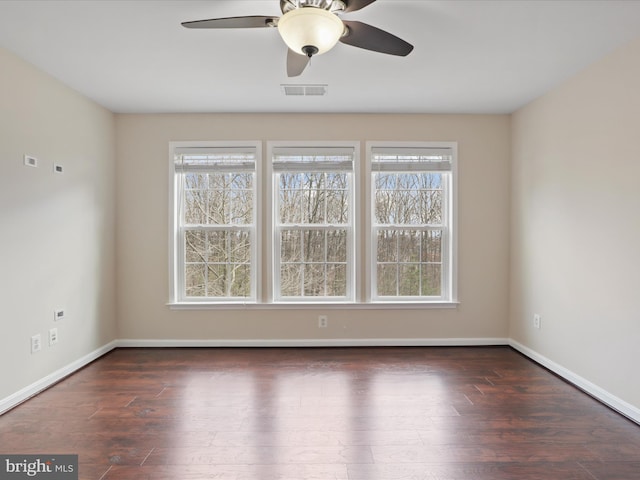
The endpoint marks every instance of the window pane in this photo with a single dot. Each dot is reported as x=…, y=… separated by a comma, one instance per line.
x=195, y=181
x=432, y=246
x=195, y=250
x=241, y=181
x=385, y=207
x=385, y=181
x=291, y=279
x=240, y=247
x=314, y=198
x=241, y=207
x=217, y=247
x=314, y=280
x=336, y=246
x=336, y=279
x=337, y=198
x=290, y=198
x=387, y=246
x=387, y=280
x=409, y=246
x=405, y=199
x=337, y=207
x=409, y=280
x=241, y=280
x=217, y=280
x=242, y=211
x=195, y=206
x=218, y=199
x=290, y=246
x=431, y=280
x=431, y=198
x=195, y=280
x=314, y=247
x=337, y=180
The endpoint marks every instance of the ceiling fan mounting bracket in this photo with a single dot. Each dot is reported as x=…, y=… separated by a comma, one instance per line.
x=334, y=6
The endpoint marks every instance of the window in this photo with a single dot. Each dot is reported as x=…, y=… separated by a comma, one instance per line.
x=295, y=235
x=215, y=231
x=411, y=219
x=313, y=218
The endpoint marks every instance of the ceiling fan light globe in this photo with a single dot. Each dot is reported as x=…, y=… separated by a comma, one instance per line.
x=310, y=27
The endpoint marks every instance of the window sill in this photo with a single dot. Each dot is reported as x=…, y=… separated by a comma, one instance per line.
x=313, y=306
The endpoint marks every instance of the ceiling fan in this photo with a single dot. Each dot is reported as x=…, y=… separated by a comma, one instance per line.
x=313, y=27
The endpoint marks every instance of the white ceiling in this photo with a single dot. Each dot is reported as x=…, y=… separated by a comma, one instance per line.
x=470, y=56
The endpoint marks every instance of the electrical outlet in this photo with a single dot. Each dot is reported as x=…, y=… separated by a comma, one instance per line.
x=58, y=315
x=36, y=343
x=323, y=321
x=53, y=336
x=537, y=320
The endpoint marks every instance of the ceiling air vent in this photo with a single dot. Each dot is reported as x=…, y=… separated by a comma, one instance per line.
x=304, y=90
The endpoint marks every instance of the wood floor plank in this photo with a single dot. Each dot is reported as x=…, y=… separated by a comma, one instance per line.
x=324, y=413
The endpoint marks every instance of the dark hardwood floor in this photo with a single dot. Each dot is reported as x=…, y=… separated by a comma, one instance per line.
x=324, y=413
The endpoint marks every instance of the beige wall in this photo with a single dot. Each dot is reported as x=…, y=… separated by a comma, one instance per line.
x=576, y=224
x=142, y=212
x=57, y=243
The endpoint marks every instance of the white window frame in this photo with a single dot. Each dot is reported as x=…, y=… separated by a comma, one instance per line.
x=176, y=231
x=449, y=245
x=353, y=233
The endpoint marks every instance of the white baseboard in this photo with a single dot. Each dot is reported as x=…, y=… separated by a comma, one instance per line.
x=317, y=342
x=44, y=383
x=583, y=384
